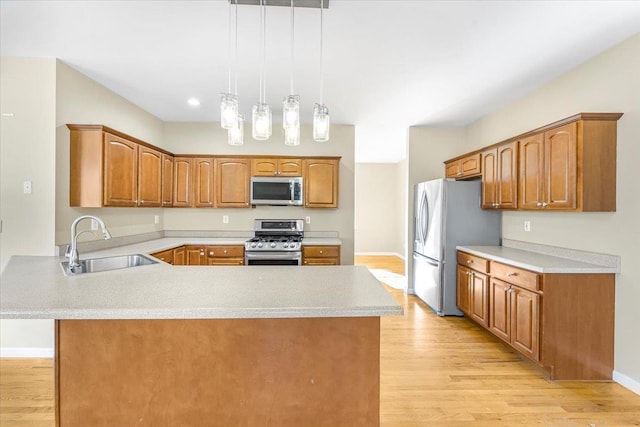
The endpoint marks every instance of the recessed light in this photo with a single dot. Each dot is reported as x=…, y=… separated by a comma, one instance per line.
x=194, y=102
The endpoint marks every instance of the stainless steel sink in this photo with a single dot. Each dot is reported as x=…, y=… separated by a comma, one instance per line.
x=95, y=265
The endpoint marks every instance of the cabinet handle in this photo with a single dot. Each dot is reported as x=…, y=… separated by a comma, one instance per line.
x=544, y=204
x=539, y=204
x=459, y=173
x=512, y=274
x=142, y=202
x=321, y=252
x=211, y=253
x=469, y=261
x=202, y=252
x=225, y=251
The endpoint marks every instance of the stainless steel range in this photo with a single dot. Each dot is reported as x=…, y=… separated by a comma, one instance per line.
x=276, y=242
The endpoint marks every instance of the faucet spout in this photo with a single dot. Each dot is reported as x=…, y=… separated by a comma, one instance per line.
x=72, y=252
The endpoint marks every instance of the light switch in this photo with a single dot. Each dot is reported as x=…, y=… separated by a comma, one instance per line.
x=26, y=187
x=308, y=220
x=225, y=219
x=527, y=226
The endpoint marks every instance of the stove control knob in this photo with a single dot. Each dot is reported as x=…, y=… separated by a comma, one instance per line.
x=286, y=245
x=292, y=246
x=253, y=245
x=273, y=245
x=259, y=245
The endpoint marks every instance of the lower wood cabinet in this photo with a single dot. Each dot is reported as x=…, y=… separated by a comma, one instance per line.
x=225, y=255
x=321, y=255
x=563, y=322
x=179, y=256
x=164, y=256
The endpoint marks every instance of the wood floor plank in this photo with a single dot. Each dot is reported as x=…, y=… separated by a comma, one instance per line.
x=434, y=372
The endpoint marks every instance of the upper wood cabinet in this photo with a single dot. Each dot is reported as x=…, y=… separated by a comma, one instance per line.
x=182, y=182
x=167, y=180
x=120, y=169
x=570, y=167
x=232, y=183
x=203, y=182
x=321, y=182
x=465, y=167
x=276, y=167
x=499, y=179
x=150, y=167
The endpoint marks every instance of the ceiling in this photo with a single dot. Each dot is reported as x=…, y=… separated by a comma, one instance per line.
x=388, y=65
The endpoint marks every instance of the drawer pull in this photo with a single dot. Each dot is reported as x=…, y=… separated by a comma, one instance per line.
x=321, y=252
x=469, y=261
x=211, y=253
x=512, y=274
x=225, y=251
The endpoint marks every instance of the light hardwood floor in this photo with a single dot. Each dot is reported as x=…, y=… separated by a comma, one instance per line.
x=434, y=372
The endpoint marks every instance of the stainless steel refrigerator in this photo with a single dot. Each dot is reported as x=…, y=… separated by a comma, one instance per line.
x=447, y=214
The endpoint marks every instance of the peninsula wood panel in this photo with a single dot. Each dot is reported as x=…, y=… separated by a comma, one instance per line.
x=284, y=372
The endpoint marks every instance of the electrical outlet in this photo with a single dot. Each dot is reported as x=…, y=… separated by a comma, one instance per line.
x=156, y=219
x=26, y=187
x=308, y=220
x=225, y=219
x=94, y=225
x=527, y=226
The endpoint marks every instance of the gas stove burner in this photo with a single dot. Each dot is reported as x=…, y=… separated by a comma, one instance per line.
x=276, y=235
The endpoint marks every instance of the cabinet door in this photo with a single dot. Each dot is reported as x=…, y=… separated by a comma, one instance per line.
x=166, y=256
x=167, y=180
x=264, y=167
x=560, y=161
x=179, y=256
x=531, y=178
x=120, y=171
x=525, y=321
x=150, y=167
x=289, y=167
x=462, y=296
x=489, y=187
x=507, y=176
x=203, y=182
x=479, y=298
x=232, y=183
x=320, y=183
x=499, y=309
x=182, y=182
x=452, y=169
x=195, y=255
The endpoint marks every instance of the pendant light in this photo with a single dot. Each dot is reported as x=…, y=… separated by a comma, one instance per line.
x=291, y=104
x=229, y=101
x=321, y=120
x=235, y=135
x=261, y=118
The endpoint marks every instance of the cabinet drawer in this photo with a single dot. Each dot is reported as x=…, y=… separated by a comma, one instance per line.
x=166, y=256
x=320, y=251
x=474, y=262
x=516, y=276
x=225, y=251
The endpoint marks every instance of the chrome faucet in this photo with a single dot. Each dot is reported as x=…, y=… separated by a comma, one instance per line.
x=72, y=250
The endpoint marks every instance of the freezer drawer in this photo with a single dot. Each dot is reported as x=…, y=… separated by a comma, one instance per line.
x=427, y=281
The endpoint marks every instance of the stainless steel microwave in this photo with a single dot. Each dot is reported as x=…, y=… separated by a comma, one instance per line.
x=280, y=191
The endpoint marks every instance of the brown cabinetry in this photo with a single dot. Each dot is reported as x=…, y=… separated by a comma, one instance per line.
x=276, y=167
x=321, y=182
x=466, y=167
x=179, y=256
x=232, y=183
x=321, y=255
x=195, y=255
x=564, y=322
x=167, y=180
x=182, y=182
x=225, y=255
x=120, y=169
x=203, y=182
x=150, y=182
x=500, y=179
x=165, y=256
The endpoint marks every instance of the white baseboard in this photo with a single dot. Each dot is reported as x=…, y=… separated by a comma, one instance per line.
x=27, y=352
x=627, y=382
x=379, y=254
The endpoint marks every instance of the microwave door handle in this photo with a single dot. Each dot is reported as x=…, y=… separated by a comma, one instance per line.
x=292, y=189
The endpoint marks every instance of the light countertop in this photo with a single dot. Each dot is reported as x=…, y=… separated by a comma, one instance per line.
x=36, y=288
x=541, y=263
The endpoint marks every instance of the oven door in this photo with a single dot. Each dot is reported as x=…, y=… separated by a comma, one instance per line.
x=273, y=258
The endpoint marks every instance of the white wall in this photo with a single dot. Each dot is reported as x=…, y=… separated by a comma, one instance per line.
x=609, y=82
x=379, y=226
x=209, y=138
x=27, y=152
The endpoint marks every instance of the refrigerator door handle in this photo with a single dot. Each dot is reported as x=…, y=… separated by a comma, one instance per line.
x=425, y=217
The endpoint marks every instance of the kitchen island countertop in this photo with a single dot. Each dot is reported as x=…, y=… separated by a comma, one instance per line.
x=36, y=288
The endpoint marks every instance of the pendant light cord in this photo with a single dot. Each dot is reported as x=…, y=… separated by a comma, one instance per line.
x=236, y=54
x=321, y=56
x=263, y=83
x=229, y=54
x=292, y=43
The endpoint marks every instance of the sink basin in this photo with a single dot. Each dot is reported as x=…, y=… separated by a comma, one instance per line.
x=95, y=265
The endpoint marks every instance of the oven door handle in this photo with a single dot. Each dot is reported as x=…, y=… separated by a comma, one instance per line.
x=273, y=255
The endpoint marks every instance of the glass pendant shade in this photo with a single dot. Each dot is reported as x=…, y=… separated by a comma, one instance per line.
x=261, y=122
x=236, y=133
x=228, y=111
x=321, y=123
x=291, y=112
x=292, y=135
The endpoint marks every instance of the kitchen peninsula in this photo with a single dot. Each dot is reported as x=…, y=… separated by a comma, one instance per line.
x=199, y=345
